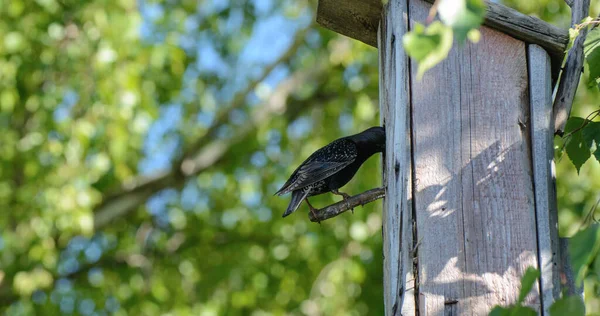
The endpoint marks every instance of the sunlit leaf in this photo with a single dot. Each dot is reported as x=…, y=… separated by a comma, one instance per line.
x=428, y=46
x=474, y=35
x=527, y=282
x=462, y=16
x=573, y=33
x=513, y=311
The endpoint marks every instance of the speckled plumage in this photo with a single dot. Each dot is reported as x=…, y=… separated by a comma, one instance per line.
x=332, y=166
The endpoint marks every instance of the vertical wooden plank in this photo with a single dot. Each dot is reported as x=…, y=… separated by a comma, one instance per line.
x=474, y=198
x=394, y=105
x=542, y=132
x=503, y=203
x=438, y=158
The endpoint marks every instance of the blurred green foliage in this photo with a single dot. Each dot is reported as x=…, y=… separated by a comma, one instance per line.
x=83, y=87
x=98, y=96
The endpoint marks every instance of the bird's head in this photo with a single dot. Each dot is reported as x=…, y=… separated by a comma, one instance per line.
x=372, y=139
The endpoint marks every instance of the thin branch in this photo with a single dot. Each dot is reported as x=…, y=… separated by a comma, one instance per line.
x=347, y=204
x=569, y=3
x=586, y=121
x=569, y=78
x=433, y=11
x=590, y=217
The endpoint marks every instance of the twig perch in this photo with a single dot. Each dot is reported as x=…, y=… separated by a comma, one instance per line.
x=338, y=208
x=569, y=79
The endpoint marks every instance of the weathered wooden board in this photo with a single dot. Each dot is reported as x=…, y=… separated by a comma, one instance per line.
x=398, y=282
x=474, y=198
x=359, y=19
x=542, y=147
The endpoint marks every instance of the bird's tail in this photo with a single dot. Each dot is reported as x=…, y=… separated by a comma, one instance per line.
x=297, y=197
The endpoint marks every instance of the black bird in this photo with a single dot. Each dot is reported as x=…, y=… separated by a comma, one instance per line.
x=331, y=167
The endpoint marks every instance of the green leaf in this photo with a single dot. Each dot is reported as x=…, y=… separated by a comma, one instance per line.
x=577, y=148
x=515, y=310
x=591, y=134
x=571, y=306
x=474, y=36
x=500, y=311
x=428, y=46
x=527, y=282
x=591, y=51
x=462, y=16
x=587, y=20
x=573, y=33
x=583, y=248
x=596, y=266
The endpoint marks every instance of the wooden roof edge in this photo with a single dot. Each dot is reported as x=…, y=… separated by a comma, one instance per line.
x=359, y=19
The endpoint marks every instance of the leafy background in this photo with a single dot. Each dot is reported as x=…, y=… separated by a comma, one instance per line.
x=142, y=141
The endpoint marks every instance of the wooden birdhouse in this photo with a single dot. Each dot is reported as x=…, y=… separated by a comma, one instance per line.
x=470, y=197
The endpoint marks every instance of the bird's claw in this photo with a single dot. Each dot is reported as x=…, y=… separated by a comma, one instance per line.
x=312, y=210
x=345, y=196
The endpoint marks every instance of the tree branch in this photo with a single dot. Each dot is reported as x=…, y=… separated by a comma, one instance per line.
x=569, y=78
x=128, y=201
x=211, y=154
x=139, y=187
x=348, y=204
x=240, y=97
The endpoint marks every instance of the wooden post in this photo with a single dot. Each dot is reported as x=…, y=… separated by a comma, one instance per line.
x=471, y=214
x=470, y=201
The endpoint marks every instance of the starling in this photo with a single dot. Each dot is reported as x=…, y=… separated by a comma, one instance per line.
x=331, y=167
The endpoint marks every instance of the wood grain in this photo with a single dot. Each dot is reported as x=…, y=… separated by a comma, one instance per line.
x=394, y=99
x=359, y=19
x=542, y=132
x=474, y=196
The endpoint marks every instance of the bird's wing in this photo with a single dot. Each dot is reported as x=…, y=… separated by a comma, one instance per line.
x=324, y=163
